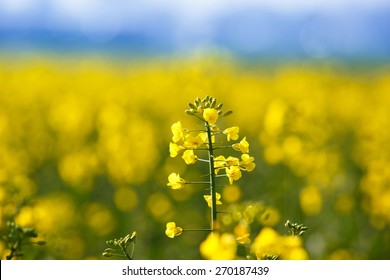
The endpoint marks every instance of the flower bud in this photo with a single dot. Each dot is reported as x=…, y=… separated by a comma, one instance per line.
x=228, y=113
x=213, y=101
x=190, y=112
x=107, y=254
x=192, y=106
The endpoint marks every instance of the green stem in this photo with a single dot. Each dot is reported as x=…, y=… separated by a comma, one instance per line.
x=197, y=183
x=212, y=178
x=198, y=229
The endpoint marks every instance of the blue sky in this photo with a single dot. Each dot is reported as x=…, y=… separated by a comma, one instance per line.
x=318, y=29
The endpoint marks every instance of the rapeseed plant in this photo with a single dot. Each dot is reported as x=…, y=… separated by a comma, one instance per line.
x=193, y=142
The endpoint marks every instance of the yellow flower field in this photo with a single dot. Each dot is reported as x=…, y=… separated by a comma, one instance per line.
x=85, y=155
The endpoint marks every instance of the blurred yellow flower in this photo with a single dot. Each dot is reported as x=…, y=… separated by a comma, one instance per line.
x=189, y=157
x=247, y=162
x=219, y=247
x=172, y=230
x=310, y=199
x=231, y=193
x=233, y=173
x=244, y=239
x=243, y=146
x=269, y=243
x=266, y=243
x=208, y=199
x=175, y=182
x=232, y=133
x=210, y=115
x=175, y=149
x=177, y=131
x=241, y=231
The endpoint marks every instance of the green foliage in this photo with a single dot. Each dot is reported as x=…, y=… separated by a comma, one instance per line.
x=17, y=237
x=119, y=247
x=295, y=229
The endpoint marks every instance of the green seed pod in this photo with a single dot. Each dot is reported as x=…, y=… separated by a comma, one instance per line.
x=219, y=112
x=41, y=242
x=219, y=106
x=228, y=113
x=190, y=112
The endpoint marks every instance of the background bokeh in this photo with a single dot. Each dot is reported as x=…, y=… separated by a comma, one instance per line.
x=86, y=108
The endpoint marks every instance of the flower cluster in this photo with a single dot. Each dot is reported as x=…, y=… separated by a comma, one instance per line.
x=118, y=247
x=204, y=145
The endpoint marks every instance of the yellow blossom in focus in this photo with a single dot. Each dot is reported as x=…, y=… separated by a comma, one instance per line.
x=232, y=161
x=210, y=115
x=175, y=149
x=232, y=133
x=175, y=182
x=172, y=230
x=189, y=157
x=219, y=247
x=205, y=138
x=177, y=131
x=208, y=199
x=219, y=163
x=193, y=141
x=233, y=173
x=243, y=146
x=247, y=162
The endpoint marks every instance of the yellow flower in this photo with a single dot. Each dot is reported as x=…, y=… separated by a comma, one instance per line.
x=210, y=115
x=175, y=182
x=214, y=128
x=247, y=162
x=175, y=149
x=219, y=247
x=244, y=239
x=189, y=157
x=219, y=163
x=267, y=243
x=243, y=146
x=208, y=199
x=177, y=131
x=234, y=173
x=193, y=141
x=270, y=243
x=205, y=137
x=241, y=231
x=172, y=230
x=232, y=161
x=232, y=133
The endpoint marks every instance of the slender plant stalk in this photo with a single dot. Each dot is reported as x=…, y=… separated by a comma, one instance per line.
x=212, y=178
